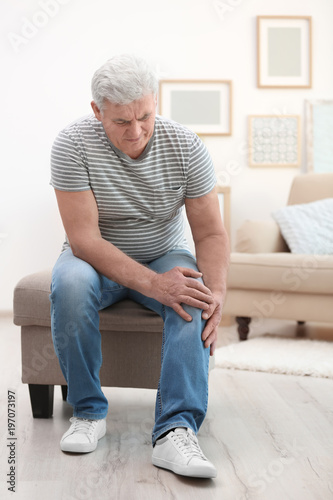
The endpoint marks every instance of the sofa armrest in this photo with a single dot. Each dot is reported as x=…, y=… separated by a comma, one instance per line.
x=255, y=236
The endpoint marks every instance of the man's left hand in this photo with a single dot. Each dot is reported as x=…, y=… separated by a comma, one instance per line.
x=213, y=316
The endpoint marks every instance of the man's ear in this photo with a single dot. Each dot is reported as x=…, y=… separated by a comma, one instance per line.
x=96, y=110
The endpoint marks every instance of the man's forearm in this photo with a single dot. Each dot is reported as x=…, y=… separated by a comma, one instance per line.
x=116, y=265
x=212, y=254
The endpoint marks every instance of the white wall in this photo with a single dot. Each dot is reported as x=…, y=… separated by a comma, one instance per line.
x=45, y=84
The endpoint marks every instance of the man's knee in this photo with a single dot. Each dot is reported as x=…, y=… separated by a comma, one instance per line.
x=74, y=285
x=194, y=312
x=196, y=324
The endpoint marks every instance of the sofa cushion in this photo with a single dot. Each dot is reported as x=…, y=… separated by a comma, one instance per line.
x=285, y=272
x=32, y=307
x=308, y=227
x=260, y=236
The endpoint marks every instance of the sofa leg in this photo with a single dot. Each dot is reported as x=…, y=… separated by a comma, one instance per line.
x=243, y=327
x=41, y=397
x=64, y=390
x=301, y=322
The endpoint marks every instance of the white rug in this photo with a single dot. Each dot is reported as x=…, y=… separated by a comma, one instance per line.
x=279, y=355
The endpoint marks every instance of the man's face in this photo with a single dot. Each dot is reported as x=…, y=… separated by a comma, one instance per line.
x=130, y=126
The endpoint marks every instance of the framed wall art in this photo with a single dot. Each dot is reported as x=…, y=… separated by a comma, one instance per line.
x=204, y=106
x=284, y=51
x=319, y=135
x=274, y=141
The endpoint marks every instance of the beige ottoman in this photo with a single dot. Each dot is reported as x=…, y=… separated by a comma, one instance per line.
x=131, y=344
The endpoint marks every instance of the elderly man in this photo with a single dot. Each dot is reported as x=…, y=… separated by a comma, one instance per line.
x=121, y=177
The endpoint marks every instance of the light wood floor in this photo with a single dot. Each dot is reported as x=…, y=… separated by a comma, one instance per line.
x=270, y=437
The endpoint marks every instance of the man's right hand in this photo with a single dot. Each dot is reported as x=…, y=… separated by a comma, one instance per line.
x=180, y=286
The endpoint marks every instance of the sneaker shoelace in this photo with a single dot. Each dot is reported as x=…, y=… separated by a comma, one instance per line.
x=83, y=425
x=188, y=444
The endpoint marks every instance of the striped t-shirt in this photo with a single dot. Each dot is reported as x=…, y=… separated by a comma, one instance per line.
x=139, y=200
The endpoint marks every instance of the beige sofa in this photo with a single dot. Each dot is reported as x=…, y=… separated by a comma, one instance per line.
x=266, y=280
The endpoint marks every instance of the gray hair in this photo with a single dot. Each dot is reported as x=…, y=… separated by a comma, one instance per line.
x=122, y=80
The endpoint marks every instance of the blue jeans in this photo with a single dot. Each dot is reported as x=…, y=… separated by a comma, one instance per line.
x=78, y=292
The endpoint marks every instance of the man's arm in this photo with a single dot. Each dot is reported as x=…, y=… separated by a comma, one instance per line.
x=212, y=254
x=79, y=214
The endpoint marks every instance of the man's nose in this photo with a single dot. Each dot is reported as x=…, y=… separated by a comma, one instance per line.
x=135, y=129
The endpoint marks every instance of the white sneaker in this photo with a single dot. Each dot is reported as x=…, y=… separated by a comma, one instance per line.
x=179, y=451
x=83, y=435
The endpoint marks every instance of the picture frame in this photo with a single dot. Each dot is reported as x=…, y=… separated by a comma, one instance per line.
x=284, y=52
x=204, y=106
x=274, y=141
x=319, y=135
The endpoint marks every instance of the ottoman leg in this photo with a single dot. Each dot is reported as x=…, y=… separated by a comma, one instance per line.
x=64, y=390
x=41, y=397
